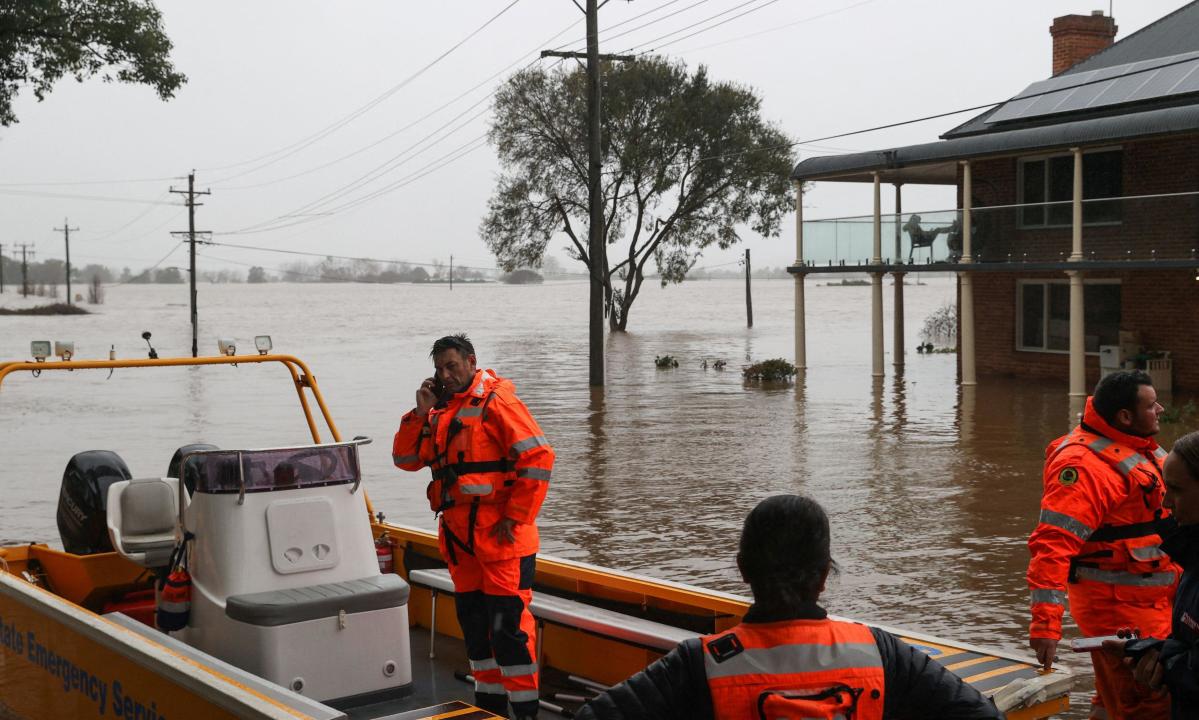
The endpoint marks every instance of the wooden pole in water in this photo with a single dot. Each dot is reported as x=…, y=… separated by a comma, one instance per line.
x=749, y=301
x=191, y=203
x=66, y=235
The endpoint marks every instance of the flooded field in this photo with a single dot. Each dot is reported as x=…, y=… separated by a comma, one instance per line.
x=931, y=490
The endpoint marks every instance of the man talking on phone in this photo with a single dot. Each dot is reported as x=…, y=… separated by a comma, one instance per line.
x=491, y=468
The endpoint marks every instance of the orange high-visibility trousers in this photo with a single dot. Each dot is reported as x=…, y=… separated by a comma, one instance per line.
x=492, y=600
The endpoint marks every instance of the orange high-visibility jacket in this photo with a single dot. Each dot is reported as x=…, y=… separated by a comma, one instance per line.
x=489, y=460
x=795, y=668
x=1102, y=493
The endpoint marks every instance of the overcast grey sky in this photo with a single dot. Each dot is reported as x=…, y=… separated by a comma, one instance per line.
x=265, y=75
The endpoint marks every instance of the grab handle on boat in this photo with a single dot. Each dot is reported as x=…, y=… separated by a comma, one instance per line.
x=358, y=441
x=241, y=481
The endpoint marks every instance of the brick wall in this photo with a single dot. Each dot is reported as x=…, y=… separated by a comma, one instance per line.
x=1149, y=228
x=1078, y=37
x=1162, y=306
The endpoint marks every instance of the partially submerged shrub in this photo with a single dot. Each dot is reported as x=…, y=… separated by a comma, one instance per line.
x=666, y=361
x=775, y=370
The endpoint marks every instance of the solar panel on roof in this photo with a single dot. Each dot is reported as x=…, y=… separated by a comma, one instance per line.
x=1132, y=82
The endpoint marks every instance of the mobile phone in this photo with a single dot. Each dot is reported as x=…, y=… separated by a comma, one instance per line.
x=1136, y=648
x=438, y=387
x=1091, y=644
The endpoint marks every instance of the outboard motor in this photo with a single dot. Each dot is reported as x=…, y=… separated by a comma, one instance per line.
x=176, y=471
x=83, y=499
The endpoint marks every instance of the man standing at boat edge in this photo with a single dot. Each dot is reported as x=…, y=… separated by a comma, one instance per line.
x=491, y=468
x=1095, y=539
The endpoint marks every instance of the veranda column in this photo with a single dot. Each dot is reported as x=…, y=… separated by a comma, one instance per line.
x=897, y=341
x=966, y=282
x=876, y=284
x=1078, y=367
x=801, y=344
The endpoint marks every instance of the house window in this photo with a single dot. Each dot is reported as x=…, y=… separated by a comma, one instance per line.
x=1043, y=315
x=1051, y=179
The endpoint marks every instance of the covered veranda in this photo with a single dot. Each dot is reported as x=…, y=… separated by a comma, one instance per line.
x=951, y=163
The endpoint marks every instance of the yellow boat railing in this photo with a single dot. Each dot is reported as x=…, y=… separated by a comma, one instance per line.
x=301, y=377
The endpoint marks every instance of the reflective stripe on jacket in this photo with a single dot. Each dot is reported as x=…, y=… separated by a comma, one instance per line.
x=1095, y=534
x=795, y=669
x=489, y=460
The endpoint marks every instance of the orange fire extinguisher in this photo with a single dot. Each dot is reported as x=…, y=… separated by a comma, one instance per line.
x=384, y=553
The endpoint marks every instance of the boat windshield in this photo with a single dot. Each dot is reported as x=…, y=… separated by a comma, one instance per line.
x=218, y=472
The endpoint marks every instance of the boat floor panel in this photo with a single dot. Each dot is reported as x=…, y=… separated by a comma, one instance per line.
x=436, y=692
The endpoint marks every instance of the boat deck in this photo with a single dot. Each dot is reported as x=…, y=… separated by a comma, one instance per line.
x=433, y=681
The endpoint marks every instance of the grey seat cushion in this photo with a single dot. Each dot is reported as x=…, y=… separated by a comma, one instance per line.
x=312, y=602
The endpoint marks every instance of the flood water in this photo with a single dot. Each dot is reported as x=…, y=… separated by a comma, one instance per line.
x=931, y=491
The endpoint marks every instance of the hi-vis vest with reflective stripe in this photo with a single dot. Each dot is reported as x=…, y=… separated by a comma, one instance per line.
x=469, y=463
x=1125, y=552
x=795, y=669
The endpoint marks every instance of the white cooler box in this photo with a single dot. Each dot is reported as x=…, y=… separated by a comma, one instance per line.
x=328, y=642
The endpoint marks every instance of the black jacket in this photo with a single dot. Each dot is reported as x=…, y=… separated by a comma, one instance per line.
x=1180, y=653
x=916, y=686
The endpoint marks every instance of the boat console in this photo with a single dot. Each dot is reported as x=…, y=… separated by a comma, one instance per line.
x=285, y=579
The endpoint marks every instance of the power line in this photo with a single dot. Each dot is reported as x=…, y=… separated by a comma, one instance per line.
x=777, y=27
x=86, y=182
x=285, y=152
x=701, y=22
x=67, y=196
x=441, y=162
x=376, y=172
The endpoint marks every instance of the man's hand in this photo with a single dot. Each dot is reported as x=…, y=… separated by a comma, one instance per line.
x=1148, y=670
x=425, y=397
x=502, y=530
x=1046, y=650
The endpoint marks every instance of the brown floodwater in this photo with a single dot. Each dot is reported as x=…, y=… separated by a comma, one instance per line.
x=931, y=489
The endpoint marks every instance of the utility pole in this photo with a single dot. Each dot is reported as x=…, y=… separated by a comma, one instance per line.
x=25, y=253
x=749, y=301
x=1, y=268
x=66, y=236
x=451, y=273
x=191, y=239
x=597, y=252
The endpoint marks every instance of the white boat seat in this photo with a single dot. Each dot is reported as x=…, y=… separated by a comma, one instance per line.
x=141, y=517
x=312, y=602
x=577, y=615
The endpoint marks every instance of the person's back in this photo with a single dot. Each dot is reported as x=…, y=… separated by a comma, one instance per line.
x=787, y=658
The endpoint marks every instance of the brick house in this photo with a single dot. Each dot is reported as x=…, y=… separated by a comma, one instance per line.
x=1077, y=217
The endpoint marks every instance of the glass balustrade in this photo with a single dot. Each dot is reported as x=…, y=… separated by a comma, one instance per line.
x=1140, y=228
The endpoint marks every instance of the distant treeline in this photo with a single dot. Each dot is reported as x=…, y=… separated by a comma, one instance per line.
x=765, y=273
x=52, y=272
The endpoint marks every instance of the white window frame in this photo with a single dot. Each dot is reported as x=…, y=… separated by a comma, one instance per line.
x=1021, y=282
x=1020, y=200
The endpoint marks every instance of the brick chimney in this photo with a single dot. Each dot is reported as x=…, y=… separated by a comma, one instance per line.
x=1078, y=37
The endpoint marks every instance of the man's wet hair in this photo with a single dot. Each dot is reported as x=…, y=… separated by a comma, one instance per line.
x=457, y=341
x=784, y=550
x=1118, y=391
x=1187, y=450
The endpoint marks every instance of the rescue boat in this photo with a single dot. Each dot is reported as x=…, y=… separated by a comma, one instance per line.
x=300, y=601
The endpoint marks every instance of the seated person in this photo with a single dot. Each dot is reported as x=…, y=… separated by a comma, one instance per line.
x=787, y=659
x=919, y=236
